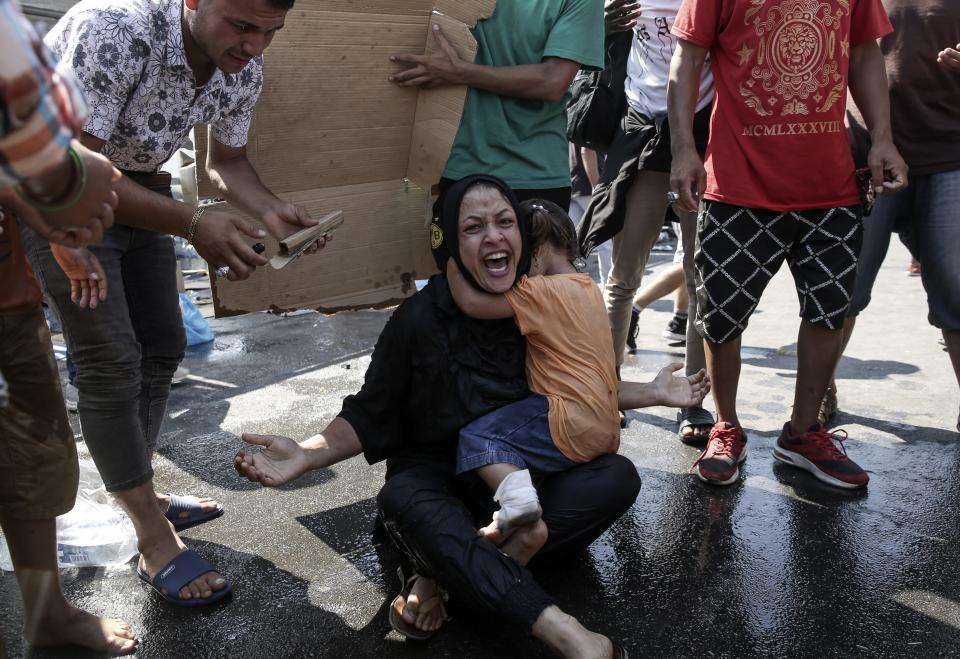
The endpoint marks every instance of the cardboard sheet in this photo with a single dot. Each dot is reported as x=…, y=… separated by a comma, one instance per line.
x=331, y=132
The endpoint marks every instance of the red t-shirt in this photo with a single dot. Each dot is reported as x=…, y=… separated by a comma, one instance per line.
x=777, y=139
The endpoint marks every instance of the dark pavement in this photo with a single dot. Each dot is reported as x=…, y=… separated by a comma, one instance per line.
x=776, y=565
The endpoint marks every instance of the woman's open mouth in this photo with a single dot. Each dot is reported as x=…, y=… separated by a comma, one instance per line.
x=497, y=263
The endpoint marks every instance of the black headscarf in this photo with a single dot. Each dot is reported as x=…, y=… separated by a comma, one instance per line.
x=444, y=231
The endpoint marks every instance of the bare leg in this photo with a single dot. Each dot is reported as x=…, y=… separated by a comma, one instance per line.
x=524, y=542
x=688, y=234
x=723, y=367
x=667, y=281
x=848, y=325
x=818, y=351
x=494, y=474
x=49, y=619
x=681, y=299
x=568, y=638
x=952, y=339
x=157, y=541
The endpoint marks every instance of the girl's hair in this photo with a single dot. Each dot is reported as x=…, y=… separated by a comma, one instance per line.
x=550, y=224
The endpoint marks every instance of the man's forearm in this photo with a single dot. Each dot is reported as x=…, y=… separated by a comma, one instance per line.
x=547, y=81
x=868, y=85
x=482, y=306
x=686, y=67
x=143, y=208
x=146, y=209
x=634, y=395
x=338, y=441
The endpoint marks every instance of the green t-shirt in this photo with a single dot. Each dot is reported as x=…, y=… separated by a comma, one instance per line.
x=524, y=141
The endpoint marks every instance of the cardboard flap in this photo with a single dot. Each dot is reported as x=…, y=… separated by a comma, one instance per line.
x=328, y=120
x=369, y=262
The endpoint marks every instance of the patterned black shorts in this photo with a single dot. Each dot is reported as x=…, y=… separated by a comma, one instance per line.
x=740, y=249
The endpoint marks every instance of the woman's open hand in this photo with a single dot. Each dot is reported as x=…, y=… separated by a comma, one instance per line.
x=280, y=461
x=681, y=391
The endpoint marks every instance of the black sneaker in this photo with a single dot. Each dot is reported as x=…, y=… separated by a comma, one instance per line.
x=676, y=330
x=634, y=328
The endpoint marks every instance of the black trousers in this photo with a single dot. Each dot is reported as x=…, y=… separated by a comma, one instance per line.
x=431, y=517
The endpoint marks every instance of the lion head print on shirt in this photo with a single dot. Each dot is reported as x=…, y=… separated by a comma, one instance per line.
x=781, y=67
x=795, y=62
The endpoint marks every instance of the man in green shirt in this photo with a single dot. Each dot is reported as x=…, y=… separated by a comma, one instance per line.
x=514, y=119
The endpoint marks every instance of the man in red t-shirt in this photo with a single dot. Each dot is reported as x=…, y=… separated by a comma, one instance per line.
x=778, y=184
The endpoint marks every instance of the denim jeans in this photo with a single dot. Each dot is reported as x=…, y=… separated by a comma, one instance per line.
x=517, y=434
x=126, y=350
x=927, y=216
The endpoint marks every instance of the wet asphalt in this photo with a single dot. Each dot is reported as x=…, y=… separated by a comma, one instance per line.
x=776, y=565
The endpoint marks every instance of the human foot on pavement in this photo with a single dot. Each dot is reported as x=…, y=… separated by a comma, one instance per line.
x=155, y=557
x=76, y=627
x=423, y=607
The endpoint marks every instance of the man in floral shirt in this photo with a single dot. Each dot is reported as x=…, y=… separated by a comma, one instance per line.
x=151, y=70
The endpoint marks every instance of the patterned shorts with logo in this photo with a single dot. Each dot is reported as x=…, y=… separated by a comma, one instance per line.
x=739, y=250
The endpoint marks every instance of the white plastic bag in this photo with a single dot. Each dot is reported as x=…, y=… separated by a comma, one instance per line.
x=95, y=533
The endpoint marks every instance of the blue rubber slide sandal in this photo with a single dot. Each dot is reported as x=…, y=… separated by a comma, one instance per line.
x=184, y=568
x=195, y=513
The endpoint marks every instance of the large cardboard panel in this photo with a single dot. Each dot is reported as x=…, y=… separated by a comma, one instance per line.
x=330, y=129
x=369, y=262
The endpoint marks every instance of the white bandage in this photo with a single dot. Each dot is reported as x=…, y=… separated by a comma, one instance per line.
x=518, y=501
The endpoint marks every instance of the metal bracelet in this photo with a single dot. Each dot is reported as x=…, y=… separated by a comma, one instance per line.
x=194, y=221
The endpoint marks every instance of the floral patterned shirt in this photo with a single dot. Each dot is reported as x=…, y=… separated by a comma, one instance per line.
x=131, y=63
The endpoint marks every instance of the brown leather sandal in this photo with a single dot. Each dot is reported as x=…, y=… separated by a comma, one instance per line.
x=404, y=628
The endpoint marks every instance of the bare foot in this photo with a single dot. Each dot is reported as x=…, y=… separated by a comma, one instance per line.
x=493, y=533
x=154, y=556
x=497, y=532
x=76, y=627
x=525, y=542
x=568, y=638
x=424, y=607
x=206, y=505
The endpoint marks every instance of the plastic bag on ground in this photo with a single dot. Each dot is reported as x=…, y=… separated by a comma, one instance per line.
x=96, y=533
x=196, y=326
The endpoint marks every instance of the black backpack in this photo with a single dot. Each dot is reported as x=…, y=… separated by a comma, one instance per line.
x=598, y=99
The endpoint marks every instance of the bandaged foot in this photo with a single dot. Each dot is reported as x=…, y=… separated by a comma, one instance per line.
x=519, y=505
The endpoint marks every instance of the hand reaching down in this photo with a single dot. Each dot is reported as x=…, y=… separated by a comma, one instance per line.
x=681, y=391
x=279, y=461
x=88, y=281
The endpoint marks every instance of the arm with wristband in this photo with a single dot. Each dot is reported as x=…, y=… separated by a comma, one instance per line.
x=64, y=191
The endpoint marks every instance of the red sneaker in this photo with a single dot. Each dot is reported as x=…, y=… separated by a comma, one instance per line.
x=823, y=454
x=719, y=464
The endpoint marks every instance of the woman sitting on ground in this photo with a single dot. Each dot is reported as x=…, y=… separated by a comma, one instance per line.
x=433, y=371
x=572, y=415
